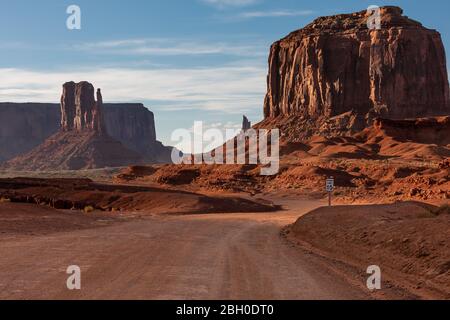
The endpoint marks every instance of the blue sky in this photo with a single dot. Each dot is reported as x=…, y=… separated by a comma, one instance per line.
x=186, y=60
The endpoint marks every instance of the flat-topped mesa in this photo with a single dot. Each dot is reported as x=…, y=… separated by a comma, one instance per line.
x=79, y=110
x=392, y=17
x=337, y=75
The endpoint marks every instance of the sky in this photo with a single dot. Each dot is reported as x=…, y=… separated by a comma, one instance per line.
x=186, y=60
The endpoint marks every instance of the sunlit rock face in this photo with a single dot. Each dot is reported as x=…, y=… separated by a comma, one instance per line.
x=337, y=75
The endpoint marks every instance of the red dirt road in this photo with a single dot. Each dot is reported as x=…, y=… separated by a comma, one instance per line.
x=227, y=256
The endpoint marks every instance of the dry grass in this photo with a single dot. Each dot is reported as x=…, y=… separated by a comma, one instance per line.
x=88, y=209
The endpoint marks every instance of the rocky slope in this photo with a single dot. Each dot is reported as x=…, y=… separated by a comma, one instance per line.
x=335, y=75
x=391, y=160
x=24, y=126
x=82, y=142
x=74, y=150
x=430, y=131
x=408, y=240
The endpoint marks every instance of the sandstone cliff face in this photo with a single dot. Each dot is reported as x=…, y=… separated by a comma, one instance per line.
x=79, y=110
x=337, y=75
x=68, y=106
x=24, y=126
x=133, y=124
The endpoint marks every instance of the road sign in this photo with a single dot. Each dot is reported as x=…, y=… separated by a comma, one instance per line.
x=330, y=185
x=330, y=189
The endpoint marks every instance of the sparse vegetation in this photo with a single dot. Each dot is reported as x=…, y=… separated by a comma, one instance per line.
x=4, y=200
x=88, y=209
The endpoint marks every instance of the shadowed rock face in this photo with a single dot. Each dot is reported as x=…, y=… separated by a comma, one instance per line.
x=68, y=106
x=79, y=110
x=98, y=121
x=337, y=70
x=246, y=124
x=24, y=126
x=133, y=125
x=435, y=131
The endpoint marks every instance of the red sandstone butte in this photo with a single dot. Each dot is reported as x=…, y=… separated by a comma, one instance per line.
x=336, y=75
x=82, y=142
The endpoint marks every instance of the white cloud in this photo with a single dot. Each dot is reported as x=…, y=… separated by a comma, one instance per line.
x=230, y=3
x=229, y=89
x=275, y=14
x=171, y=47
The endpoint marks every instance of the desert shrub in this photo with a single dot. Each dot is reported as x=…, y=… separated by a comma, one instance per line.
x=4, y=200
x=88, y=209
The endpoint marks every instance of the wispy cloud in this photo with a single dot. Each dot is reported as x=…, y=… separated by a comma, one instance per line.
x=172, y=47
x=275, y=14
x=229, y=89
x=230, y=3
x=247, y=15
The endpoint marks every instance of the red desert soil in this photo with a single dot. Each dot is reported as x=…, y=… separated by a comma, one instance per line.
x=81, y=194
x=153, y=256
x=207, y=256
x=393, y=160
x=409, y=241
x=18, y=219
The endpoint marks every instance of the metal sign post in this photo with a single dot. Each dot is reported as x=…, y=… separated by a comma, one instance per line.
x=330, y=189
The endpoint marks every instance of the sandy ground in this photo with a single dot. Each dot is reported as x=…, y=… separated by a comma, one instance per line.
x=409, y=241
x=226, y=256
x=28, y=220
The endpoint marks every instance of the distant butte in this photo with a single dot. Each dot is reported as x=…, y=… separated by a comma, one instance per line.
x=82, y=142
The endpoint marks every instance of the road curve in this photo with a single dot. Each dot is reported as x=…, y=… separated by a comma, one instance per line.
x=230, y=256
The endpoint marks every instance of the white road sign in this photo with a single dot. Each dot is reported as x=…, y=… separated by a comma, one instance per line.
x=330, y=185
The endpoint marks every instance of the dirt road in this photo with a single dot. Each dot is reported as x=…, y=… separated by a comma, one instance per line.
x=228, y=256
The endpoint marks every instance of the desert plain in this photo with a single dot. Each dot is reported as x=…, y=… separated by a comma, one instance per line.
x=369, y=108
